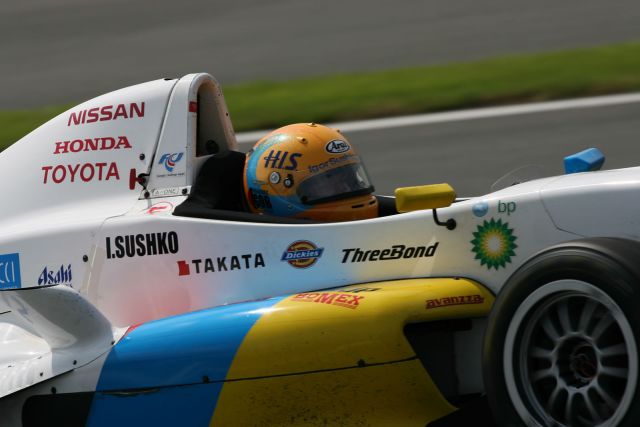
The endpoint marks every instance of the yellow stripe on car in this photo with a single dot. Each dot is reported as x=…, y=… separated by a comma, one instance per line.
x=340, y=357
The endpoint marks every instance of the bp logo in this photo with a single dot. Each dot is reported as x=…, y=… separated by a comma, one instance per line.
x=494, y=243
x=302, y=254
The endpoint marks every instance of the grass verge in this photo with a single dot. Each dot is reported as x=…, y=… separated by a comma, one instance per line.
x=498, y=81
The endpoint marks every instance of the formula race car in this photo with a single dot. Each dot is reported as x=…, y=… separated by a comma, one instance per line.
x=133, y=292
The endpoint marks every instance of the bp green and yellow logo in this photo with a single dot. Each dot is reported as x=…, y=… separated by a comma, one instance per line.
x=494, y=243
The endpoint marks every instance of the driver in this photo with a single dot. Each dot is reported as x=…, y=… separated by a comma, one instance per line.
x=310, y=171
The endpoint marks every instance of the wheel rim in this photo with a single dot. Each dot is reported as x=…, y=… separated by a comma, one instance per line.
x=570, y=357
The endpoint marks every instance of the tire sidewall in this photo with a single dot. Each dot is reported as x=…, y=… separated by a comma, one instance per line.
x=607, y=264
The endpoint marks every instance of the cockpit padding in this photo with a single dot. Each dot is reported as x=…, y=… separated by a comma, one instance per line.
x=218, y=193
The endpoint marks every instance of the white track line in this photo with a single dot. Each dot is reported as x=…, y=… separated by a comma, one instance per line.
x=478, y=113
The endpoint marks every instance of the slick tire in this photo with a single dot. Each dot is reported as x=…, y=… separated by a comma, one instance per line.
x=561, y=346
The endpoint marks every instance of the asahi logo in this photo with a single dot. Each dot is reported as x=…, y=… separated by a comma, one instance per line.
x=387, y=254
x=52, y=276
x=139, y=245
x=221, y=263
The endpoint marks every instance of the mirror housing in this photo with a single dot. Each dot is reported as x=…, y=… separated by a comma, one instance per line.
x=423, y=197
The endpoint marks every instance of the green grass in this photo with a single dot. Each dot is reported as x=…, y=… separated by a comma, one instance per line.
x=498, y=81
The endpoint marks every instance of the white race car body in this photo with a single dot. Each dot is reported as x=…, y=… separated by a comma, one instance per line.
x=89, y=244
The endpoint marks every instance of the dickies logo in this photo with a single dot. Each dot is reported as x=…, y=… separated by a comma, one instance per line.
x=302, y=254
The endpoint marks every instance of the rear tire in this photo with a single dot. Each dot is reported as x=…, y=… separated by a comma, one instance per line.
x=561, y=347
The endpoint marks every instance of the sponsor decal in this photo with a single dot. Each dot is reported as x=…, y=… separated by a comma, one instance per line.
x=139, y=245
x=169, y=161
x=274, y=177
x=457, y=300
x=10, y=271
x=91, y=144
x=170, y=191
x=219, y=264
x=59, y=276
x=388, y=254
x=281, y=160
x=260, y=199
x=334, y=161
x=85, y=172
x=106, y=113
x=358, y=290
x=337, y=146
x=494, y=243
x=340, y=299
x=158, y=207
x=480, y=209
x=302, y=254
x=506, y=207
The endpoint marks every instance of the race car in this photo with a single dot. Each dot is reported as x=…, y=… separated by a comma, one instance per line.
x=134, y=291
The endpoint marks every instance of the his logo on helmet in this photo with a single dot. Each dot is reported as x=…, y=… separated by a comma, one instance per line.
x=276, y=160
x=337, y=146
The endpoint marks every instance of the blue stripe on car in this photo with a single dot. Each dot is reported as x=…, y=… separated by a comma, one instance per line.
x=190, y=350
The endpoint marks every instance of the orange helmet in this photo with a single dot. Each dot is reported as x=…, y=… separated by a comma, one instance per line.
x=308, y=171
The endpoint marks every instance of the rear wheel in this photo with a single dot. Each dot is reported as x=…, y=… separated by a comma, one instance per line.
x=561, y=347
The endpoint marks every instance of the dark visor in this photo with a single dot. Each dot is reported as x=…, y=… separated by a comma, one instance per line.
x=339, y=183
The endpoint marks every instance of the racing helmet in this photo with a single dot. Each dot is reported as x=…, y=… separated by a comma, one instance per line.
x=307, y=170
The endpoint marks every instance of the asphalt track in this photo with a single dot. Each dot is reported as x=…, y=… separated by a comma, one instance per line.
x=472, y=154
x=58, y=51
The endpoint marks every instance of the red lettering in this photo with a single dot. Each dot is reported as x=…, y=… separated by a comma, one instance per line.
x=93, y=115
x=107, y=143
x=326, y=298
x=454, y=300
x=123, y=141
x=73, y=171
x=112, y=172
x=120, y=112
x=76, y=145
x=331, y=298
x=133, y=107
x=61, y=147
x=342, y=298
x=46, y=170
x=75, y=118
x=311, y=296
x=355, y=299
x=86, y=171
x=59, y=177
x=90, y=144
x=100, y=166
x=83, y=175
x=106, y=113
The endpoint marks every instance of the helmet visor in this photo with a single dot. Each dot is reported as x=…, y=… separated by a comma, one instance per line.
x=338, y=183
